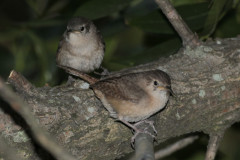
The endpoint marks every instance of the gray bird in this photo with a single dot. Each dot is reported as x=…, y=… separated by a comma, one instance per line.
x=81, y=47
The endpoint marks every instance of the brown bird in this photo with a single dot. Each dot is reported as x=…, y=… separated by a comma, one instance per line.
x=134, y=97
x=131, y=97
x=82, y=47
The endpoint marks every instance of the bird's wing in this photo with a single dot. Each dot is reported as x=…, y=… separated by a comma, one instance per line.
x=120, y=88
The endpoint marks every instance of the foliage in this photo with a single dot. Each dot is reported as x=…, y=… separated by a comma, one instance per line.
x=135, y=31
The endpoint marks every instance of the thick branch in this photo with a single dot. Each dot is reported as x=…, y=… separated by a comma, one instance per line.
x=25, y=111
x=205, y=81
x=7, y=152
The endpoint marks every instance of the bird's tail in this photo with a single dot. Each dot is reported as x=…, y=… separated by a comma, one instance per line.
x=84, y=76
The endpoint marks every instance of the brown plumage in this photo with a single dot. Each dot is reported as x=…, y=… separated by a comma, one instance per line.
x=131, y=97
x=136, y=96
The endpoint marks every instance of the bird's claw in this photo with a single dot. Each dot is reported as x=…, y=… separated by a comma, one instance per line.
x=137, y=132
x=148, y=122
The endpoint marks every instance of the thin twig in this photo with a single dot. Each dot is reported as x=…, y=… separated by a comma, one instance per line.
x=213, y=145
x=144, y=147
x=20, y=83
x=24, y=110
x=144, y=142
x=84, y=76
x=187, y=36
x=175, y=147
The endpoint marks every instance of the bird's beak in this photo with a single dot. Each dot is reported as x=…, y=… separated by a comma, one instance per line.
x=171, y=91
x=76, y=31
x=162, y=88
x=167, y=88
x=73, y=31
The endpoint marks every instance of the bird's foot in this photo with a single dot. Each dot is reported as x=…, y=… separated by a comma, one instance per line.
x=137, y=132
x=104, y=72
x=70, y=80
x=151, y=123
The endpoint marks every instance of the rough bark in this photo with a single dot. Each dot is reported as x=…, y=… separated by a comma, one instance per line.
x=206, y=81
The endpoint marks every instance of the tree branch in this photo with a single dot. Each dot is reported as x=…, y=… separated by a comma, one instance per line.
x=144, y=147
x=24, y=110
x=187, y=36
x=20, y=83
x=175, y=147
x=7, y=152
x=144, y=142
x=213, y=145
x=206, y=83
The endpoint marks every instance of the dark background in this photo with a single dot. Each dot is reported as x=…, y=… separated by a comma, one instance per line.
x=135, y=32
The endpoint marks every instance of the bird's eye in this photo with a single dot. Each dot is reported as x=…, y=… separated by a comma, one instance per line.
x=82, y=28
x=155, y=83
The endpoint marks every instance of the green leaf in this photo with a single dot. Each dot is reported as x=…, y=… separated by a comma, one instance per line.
x=218, y=9
x=37, y=23
x=6, y=61
x=223, y=30
x=161, y=50
x=194, y=15
x=116, y=65
x=57, y=6
x=184, y=2
x=9, y=35
x=38, y=6
x=141, y=8
x=152, y=22
x=39, y=50
x=238, y=13
x=94, y=9
x=112, y=44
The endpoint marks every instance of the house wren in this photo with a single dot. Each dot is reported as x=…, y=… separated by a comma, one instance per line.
x=134, y=97
x=131, y=97
x=81, y=47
